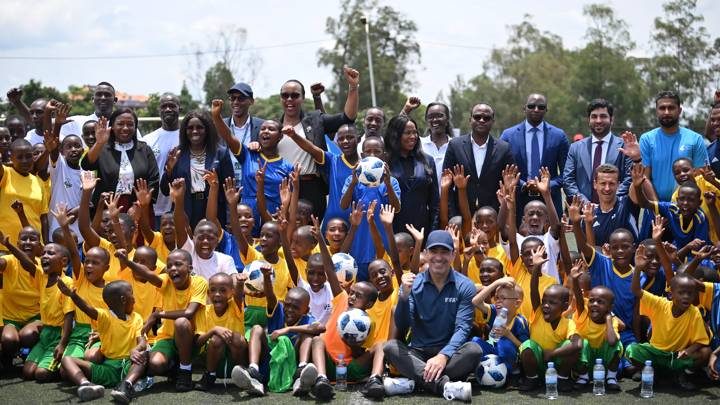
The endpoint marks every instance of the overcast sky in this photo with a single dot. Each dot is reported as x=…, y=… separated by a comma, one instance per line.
x=77, y=28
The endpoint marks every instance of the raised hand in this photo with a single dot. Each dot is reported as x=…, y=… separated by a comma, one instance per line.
x=216, y=108
x=446, y=180
x=510, y=176
x=88, y=180
x=62, y=215
x=142, y=193
x=641, y=259
x=543, y=184
x=455, y=233
x=387, y=213
x=577, y=269
x=172, y=159
x=18, y=207
x=538, y=256
x=14, y=95
x=316, y=89
x=352, y=76
x=112, y=205
x=285, y=192
x=705, y=252
x=411, y=104
x=260, y=173
x=417, y=235
x=386, y=176
x=638, y=174
x=295, y=177
x=102, y=132
x=371, y=211
x=289, y=131
x=589, y=212
x=63, y=111
x=574, y=210
x=671, y=251
x=232, y=194
x=459, y=177
x=122, y=255
x=709, y=197
x=211, y=178
x=51, y=106
x=315, y=230
x=658, y=228
x=177, y=189
x=50, y=141
x=356, y=214
x=631, y=149
x=64, y=288
x=407, y=282
x=566, y=225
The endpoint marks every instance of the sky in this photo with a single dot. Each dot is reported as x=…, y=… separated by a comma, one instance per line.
x=283, y=39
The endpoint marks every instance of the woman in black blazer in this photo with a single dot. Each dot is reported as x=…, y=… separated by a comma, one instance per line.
x=415, y=172
x=120, y=159
x=199, y=151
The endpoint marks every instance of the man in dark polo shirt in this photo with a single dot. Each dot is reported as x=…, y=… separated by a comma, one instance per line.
x=437, y=306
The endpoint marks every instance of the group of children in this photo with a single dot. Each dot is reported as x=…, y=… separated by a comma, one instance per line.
x=112, y=301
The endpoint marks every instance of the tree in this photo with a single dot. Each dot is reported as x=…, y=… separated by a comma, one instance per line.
x=34, y=90
x=684, y=57
x=218, y=79
x=187, y=103
x=394, y=52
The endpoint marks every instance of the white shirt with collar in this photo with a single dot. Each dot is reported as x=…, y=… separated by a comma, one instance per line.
x=528, y=142
x=437, y=154
x=479, y=152
x=605, y=146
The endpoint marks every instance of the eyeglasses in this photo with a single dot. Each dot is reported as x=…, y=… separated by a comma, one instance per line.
x=484, y=118
x=541, y=107
x=239, y=97
x=290, y=96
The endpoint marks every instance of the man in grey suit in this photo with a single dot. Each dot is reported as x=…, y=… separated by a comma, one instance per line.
x=600, y=148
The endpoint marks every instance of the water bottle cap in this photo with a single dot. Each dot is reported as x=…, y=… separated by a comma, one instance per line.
x=503, y=310
x=648, y=362
x=551, y=364
x=598, y=361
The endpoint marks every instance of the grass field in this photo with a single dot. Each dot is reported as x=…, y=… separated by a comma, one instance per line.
x=15, y=391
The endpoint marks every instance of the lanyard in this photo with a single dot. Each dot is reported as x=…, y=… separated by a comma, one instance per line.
x=248, y=128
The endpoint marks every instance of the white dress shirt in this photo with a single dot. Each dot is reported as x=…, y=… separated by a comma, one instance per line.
x=479, y=152
x=528, y=142
x=605, y=146
x=437, y=154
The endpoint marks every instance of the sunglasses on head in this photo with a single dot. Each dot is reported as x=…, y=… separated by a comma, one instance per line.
x=540, y=107
x=290, y=96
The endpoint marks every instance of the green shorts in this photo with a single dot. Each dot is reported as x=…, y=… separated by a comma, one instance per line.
x=20, y=324
x=640, y=352
x=538, y=353
x=42, y=353
x=78, y=339
x=355, y=371
x=605, y=352
x=168, y=348
x=110, y=372
x=255, y=316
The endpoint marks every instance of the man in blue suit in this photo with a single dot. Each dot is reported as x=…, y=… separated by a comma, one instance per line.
x=587, y=155
x=535, y=143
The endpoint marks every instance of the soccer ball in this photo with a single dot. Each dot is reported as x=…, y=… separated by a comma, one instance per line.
x=254, y=281
x=370, y=171
x=345, y=267
x=491, y=371
x=354, y=325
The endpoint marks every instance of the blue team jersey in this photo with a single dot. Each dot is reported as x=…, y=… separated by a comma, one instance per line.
x=337, y=169
x=228, y=245
x=683, y=231
x=363, y=249
x=620, y=216
x=520, y=327
x=604, y=273
x=655, y=285
x=277, y=321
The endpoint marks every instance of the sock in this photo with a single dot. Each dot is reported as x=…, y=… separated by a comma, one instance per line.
x=84, y=382
x=612, y=375
x=322, y=376
x=584, y=376
x=689, y=372
x=212, y=373
x=302, y=364
x=532, y=377
x=186, y=367
x=562, y=378
x=129, y=382
x=254, y=366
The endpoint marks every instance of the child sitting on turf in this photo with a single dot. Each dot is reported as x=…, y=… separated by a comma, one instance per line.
x=598, y=328
x=552, y=336
x=224, y=337
x=705, y=179
x=123, y=345
x=679, y=341
x=507, y=295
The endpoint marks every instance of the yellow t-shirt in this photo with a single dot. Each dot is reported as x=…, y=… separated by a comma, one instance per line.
x=115, y=270
x=91, y=294
x=706, y=297
x=381, y=315
x=496, y=252
x=672, y=334
x=522, y=277
x=146, y=295
x=595, y=333
x=30, y=191
x=21, y=296
x=159, y=245
x=542, y=332
x=281, y=284
x=704, y=187
x=53, y=304
x=301, y=263
x=173, y=300
x=118, y=337
x=233, y=318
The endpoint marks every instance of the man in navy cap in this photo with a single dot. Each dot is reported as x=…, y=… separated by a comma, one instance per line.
x=437, y=306
x=243, y=126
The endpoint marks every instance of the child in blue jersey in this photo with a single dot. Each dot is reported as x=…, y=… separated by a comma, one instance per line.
x=337, y=168
x=687, y=220
x=388, y=192
x=508, y=295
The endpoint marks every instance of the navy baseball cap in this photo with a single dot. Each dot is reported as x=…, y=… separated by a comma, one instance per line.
x=243, y=88
x=440, y=238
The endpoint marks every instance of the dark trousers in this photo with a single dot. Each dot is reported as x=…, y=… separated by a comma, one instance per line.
x=314, y=189
x=410, y=362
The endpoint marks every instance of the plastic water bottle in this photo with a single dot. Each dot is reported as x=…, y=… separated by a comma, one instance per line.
x=551, y=380
x=341, y=374
x=143, y=383
x=500, y=321
x=648, y=376
x=598, y=378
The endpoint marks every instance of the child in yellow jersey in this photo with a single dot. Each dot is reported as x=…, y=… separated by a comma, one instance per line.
x=56, y=315
x=183, y=298
x=21, y=309
x=552, y=337
x=302, y=245
x=164, y=241
x=480, y=245
x=683, y=171
x=679, y=341
x=598, y=328
x=224, y=337
x=124, y=356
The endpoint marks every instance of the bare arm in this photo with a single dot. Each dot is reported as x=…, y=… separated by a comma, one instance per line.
x=102, y=136
x=222, y=129
x=445, y=184
x=317, y=154
x=63, y=219
x=351, y=104
x=537, y=261
x=348, y=195
x=640, y=265
x=332, y=279
x=285, y=243
x=392, y=197
x=177, y=194
x=25, y=262
x=575, y=217
x=139, y=271
x=374, y=233
x=260, y=192
x=232, y=196
x=418, y=236
x=461, y=181
x=386, y=217
x=89, y=235
x=80, y=303
x=355, y=219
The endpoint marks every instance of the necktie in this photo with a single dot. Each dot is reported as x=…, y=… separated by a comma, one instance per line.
x=534, y=154
x=597, y=160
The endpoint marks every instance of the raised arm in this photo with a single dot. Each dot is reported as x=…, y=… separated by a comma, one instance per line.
x=657, y=232
x=317, y=154
x=640, y=265
x=347, y=197
x=710, y=198
x=386, y=217
x=232, y=196
x=374, y=233
x=177, y=194
x=636, y=189
x=114, y=212
x=260, y=192
x=140, y=271
x=144, y=199
x=211, y=208
x=356, y=216
x=80, y=303
x=239, y=280
x=316, y=90
x=292, y=207
x=461, y=181
x=392, y=196
x=332, y=279
x=509, y=198
x=25, y=261
x=543, y=186
x=351, y=104
x=588, y=220
x=64, y=218
x=446, y=182
x=14, y=96
x=285, y=243
x=538, y=259
x=575, y=217
x=575, y=272
x=19, y=209
x=418, y=236
x=482, y=296
x=89, y=235
x=102, y=136
x=222, y=129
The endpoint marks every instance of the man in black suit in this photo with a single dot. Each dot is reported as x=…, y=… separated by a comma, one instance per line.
x=483, y=157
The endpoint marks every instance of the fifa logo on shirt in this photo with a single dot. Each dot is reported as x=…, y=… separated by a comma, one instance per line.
x=450, y=300
x=67, y=183
x=156, y=152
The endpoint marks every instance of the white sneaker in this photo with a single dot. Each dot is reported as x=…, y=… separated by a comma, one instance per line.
x=398, y=386
x=245, y=380
x=459, y=390
x=88, y=392
x=308, y=375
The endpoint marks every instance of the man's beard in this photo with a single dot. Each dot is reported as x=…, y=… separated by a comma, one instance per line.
x=668, y=122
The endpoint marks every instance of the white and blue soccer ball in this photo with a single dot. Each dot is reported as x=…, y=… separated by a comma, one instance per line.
x=370, y=171
x=345, y=267
x=354, y=326
x=254, y=281
x=491, y=372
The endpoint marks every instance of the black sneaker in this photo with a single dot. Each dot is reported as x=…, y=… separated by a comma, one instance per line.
x=207, y=381
x=123, y=393
x=682, y=379
x=322, y=390
x=565, y=385
x=581, y=384
x=529, y=384
x=373, y=388
x=184, y=382
x=612, y=385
